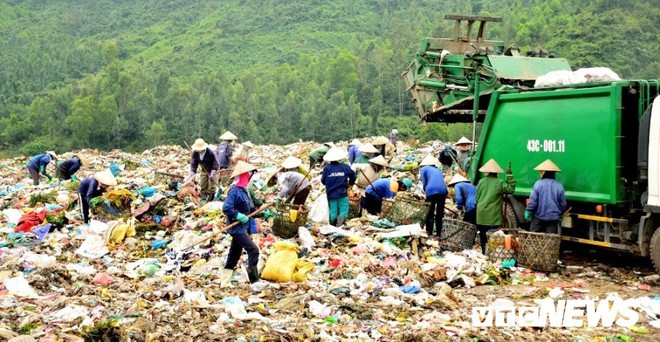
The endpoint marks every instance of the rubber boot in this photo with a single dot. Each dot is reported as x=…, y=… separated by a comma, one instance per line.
x=253, y=274
x=340, y=221
x=333, y=222
x=225, y=278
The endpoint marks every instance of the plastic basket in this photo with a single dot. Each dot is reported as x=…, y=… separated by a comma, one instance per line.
x=282, y=226
x=539, y=251
x=405, y=211
x=457, y=235
x=495, y=249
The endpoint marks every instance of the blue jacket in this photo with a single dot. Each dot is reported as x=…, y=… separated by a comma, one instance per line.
x=89, y=188
x=208, y=163
x=70, y=166
x=353, y=153
x=38, y=161
x=466, y=196
x=223, y=153
x=337, y=177
x=238, y=201
x=382, y=188
x=547, y=201
x=432, y=181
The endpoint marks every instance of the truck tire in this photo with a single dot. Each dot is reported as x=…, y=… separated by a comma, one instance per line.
x=510, y=220
x=654, y=250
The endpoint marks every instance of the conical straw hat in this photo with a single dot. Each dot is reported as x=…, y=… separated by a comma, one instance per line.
x=379, y=160
x=457, y=179
x=354, y=142
x=491, y=167
x=199, y=145
x=272, y=174
x=228, y=136
x=334, y=154
x=248, y=144
x=430, y=160
x=105, y=178
x=291, y=162
x=463, y=140
x=368, y=148
x=380, y=141
x=52, y=154
x=547, y=165
x=241, y=168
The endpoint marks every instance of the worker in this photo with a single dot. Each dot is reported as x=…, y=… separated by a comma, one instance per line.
x=489, y=198
x=393, y=139
x=38, y=164
x=463, y=146
x=203, y=156
x=353, y=150
x=67, y=169
x=435, y=189
x=225, y=150
x=317, y=154
x=465, y=197
x=292, y=184
x=292, y=163
x=237, y=207
x=337, y=178
x=372, y=201
x=92, y=187
x=380, y=144
x=368, y=173
x=367, y=151
x=547, y=203
x=243, y=152
x=447, y=158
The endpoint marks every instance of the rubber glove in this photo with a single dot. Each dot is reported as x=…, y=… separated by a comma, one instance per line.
x=279, y=200
x=212, y=174
x=50, y=178
x=240, y=217
x=528, y=215
x=42, y=169
x=267, y=214
x=74, y=178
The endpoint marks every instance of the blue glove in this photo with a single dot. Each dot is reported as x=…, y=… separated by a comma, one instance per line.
x=241, y=218
x=528, y=215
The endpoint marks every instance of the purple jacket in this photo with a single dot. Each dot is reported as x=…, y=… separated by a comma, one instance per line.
x=208, y=162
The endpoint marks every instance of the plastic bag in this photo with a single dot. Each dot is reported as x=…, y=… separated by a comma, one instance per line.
x=305, y=237
x=121, y=231
x=319, y=212
x=19, y=286
x=281, y=265
x=302, y=268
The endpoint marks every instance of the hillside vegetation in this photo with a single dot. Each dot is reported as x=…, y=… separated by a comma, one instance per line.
x=132, y=74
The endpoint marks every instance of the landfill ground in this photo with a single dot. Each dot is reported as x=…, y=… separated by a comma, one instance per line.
x=129, y=277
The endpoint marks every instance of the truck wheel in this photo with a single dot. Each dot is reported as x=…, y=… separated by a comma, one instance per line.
x=654, y=249
x=510, y=220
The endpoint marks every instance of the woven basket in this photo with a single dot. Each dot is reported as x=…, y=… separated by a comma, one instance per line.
x=457, y=235
x=405, y=211
x=223, y=177
x=353, y=208
x=495, y=249
x=282, y=226
x=539, y=251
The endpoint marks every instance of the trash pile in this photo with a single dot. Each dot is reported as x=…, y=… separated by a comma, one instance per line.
x=147, y=267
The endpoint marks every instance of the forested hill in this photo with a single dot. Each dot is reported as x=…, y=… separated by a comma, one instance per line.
x=131, y=74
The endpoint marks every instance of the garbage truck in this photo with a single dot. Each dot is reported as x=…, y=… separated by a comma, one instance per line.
x=603, y=133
